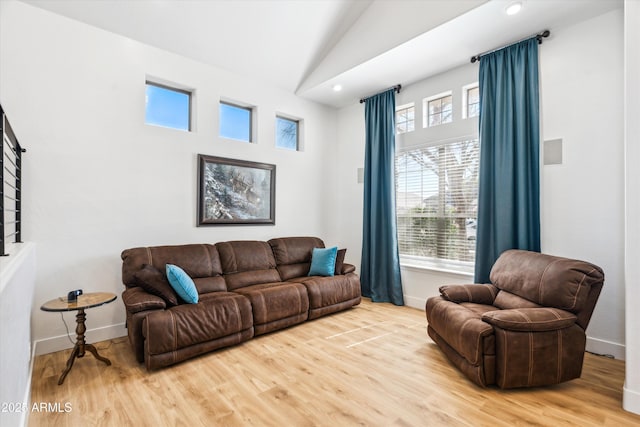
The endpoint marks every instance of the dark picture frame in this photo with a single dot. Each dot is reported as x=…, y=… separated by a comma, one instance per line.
x=235, y=192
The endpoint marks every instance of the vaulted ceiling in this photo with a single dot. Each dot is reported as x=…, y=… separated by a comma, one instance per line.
x=308, y=46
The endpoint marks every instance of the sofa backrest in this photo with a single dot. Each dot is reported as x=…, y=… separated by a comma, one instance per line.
x=201, y=262
x=247, y=262
x=535, y=279
x=293, y=255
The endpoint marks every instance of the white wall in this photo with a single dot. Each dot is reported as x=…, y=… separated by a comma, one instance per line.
x=98, y=180
x=582, y=199
x=631, y=396
x=17, y=283
x=581, y=78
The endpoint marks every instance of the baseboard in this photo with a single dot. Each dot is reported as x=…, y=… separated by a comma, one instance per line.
x=607, y=348
x=631, y=400
x=53, y=344
x=414, y=302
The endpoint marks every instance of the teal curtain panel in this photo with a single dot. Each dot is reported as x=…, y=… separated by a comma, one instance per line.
x=380, y=268
x=509, y=193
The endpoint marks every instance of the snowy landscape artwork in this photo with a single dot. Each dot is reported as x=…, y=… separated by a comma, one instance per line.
x=235, y=191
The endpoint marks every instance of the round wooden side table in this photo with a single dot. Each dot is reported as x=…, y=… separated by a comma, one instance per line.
x=83, y=302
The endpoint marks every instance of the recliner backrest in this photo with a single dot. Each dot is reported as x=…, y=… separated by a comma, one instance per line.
x=200, y=261
x=548, y=281
x=247, y=262
x=293, y=255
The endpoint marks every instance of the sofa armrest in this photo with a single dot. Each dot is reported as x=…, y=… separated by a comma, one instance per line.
x=348, y=268
x=530, y=319
x=479, y=294
x=137, y=299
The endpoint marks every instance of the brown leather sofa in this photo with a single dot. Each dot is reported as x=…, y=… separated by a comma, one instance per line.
x=245, y=288
x=526, y=328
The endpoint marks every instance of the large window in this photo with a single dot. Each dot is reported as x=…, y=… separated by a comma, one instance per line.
x=168, y=107
x=437, y=198
x=236, y=121
x=437, y=110
x=405, y=118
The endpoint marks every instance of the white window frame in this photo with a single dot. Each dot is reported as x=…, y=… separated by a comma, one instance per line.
x=425, y=108
x=406, y=107
x=176, y=87
x=433, y=262
x=465, y=100
x=252, y=119
x=299, y=134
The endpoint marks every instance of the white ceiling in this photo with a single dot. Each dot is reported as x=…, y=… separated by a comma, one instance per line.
x=307, y=46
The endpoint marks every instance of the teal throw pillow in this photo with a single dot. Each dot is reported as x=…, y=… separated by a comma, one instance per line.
x=323, y=261
x=182, y=284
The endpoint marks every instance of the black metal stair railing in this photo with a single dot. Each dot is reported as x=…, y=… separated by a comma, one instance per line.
x=11, y=185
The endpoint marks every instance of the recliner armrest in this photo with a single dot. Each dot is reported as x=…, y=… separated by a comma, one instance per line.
x=530, y=319
x=137, y=299
x=348, y=268
x=479, y=294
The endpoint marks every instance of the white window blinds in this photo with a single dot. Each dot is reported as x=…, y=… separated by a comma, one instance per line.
x=437, y=199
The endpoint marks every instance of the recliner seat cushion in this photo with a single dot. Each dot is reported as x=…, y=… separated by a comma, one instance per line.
x=328, y=291
x=274, y=302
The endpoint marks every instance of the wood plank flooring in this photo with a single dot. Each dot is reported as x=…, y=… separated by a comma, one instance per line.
x=373, y=365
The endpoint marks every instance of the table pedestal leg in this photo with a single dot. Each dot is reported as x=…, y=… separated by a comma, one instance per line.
x=81, y=346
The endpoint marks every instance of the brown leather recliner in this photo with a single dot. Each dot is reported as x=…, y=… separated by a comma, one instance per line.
x=526, y=328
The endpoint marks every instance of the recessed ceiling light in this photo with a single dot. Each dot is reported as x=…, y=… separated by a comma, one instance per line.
x=513, y=8
x=337, y=88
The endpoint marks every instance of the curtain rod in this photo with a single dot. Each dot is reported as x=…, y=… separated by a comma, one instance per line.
x=545, y=33
x=396, y=88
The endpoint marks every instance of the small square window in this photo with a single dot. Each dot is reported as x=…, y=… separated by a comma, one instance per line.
x=438, y=111
x=472, y=104
x=287, y=133
x=167, y=107
x=236, y=122
x=405, y=118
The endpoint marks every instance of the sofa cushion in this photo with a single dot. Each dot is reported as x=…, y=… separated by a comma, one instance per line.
x=276, y=301
x=479, y=309
x=323, y=261
x=479, y=294
x=340, y=261
x=219, y=315
x=546, y=280
x=329, y=291
x=210, y=284
x=182, y=284
x=247, y=262
x=293, y=255
x=506, y=300
x=197, y=260
x=153, y=281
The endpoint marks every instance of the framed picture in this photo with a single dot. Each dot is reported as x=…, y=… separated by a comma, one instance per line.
x=235, y=191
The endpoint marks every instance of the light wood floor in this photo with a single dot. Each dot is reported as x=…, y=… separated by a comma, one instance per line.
x=373, y=365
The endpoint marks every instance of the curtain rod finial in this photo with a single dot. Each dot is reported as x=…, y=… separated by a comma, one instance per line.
x=545, y=33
